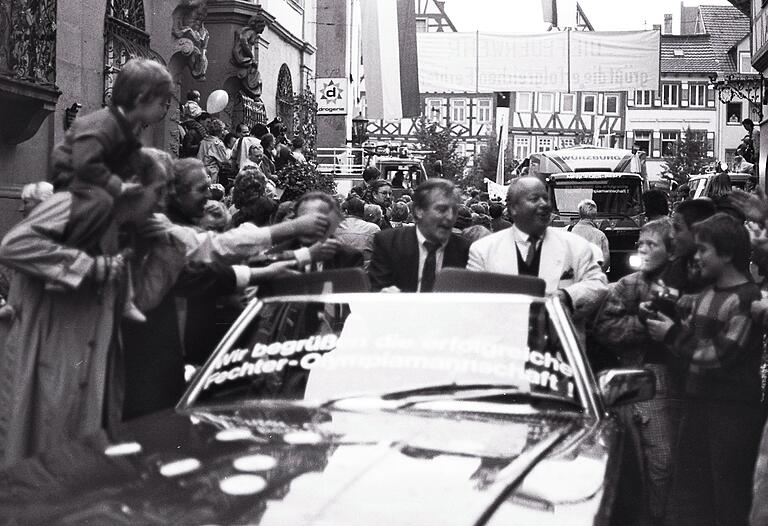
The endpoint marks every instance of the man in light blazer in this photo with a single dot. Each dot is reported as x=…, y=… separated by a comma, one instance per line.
x=530, y=247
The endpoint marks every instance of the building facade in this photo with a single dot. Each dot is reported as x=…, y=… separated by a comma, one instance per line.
x=542, y=121
x=59, y=58
x=468, y=116
x=711, y=45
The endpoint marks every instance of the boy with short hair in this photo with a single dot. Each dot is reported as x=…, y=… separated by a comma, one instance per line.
x=681, y=273
x=721, y=346
x=621, y=327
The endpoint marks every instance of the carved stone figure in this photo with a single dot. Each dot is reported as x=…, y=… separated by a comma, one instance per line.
x=245, y=56
x=191, y=35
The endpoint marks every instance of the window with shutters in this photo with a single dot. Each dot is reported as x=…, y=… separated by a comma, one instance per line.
x=643, y=140
x=669, y=141
x=522, y=147
x=670, y=94
x=697, y=95
x=568, y=103
x=567, y=142
x=644, y=98
x=524, y=101
x=745, y=62
x=435, y=110
x=484, y=111
x=546, y=102
x=588, y=104
x=544, y=144
x=459, y=110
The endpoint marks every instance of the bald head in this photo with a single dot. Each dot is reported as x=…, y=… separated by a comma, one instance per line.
x=528, y=203
x=520, y=186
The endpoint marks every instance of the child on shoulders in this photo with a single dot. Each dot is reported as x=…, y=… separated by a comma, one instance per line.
x=93, y=161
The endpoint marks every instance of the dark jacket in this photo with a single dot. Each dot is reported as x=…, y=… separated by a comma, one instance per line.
x=395, y=259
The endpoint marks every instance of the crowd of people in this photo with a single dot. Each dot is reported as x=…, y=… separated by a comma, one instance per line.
x=117, y=278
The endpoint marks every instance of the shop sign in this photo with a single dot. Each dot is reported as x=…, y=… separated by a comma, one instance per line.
x=331, y=96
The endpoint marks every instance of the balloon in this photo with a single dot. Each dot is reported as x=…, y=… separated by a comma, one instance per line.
x=217, y=101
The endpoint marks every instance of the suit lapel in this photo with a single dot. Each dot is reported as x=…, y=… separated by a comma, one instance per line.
x=452, y=256
x=551, y=261
x=503, y=257
x=410, y=258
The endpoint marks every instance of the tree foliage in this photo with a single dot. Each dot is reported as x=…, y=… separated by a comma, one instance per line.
x=690, y=157
x=487, y=160
x=297, y=179
x=443, y=145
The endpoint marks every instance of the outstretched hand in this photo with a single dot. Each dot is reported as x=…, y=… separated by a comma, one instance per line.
x=754, y=206
x=277, y=269
x=314, y=224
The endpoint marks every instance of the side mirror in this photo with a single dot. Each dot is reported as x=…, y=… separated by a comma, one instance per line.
x=626, y=386
x=189, y=372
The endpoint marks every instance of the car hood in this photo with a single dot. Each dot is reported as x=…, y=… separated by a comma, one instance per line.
x=277, y=465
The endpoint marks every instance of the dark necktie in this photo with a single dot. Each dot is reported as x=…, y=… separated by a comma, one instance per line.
x=531, y=250
x=430, y=267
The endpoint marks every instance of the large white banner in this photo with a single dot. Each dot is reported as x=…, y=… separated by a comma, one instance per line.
x=523, y=62
x=555, y=61
x=447, y=62
x=615, y=60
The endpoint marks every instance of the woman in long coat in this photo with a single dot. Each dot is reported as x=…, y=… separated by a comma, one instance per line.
x=60, y=371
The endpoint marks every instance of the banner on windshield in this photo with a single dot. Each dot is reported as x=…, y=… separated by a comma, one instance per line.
x=556, y=61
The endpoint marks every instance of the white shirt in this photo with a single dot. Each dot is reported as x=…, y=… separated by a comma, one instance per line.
x=423, y=255
x=522, y=241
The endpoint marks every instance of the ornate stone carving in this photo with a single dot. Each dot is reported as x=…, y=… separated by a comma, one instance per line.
x=28, y=93
x=245, y=55
x=248, y=106
x=28, y=40
x=191, y=35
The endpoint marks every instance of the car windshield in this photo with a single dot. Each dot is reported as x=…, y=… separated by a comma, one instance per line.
x=403, y=175
x=614, y=196
x=370, y=345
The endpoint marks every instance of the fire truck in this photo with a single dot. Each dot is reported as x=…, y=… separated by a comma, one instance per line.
x=613, y=178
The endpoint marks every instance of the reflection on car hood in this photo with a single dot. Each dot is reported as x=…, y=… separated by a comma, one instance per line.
x=278, y=465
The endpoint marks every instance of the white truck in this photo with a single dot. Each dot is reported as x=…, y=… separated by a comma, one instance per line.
x=613, y=178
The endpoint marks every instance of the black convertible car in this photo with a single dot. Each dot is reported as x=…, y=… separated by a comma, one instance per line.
x=336, y=408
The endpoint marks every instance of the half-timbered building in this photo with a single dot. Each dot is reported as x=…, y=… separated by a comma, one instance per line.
x=541, y=121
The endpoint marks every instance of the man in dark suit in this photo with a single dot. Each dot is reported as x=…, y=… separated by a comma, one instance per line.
x=408, y=259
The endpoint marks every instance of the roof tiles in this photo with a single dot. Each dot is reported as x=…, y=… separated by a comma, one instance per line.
x=726, y=26
x=697, y=56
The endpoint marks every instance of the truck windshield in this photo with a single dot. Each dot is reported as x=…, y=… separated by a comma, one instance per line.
x=614, y=196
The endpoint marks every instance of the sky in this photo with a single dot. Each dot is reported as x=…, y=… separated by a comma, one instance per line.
x=525, y=16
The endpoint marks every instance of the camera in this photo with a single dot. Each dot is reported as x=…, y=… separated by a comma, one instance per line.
x=664, y=302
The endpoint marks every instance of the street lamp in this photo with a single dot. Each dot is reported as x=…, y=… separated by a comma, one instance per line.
x=359, y=130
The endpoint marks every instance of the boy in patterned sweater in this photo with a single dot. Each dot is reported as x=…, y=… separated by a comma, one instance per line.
x=721, y=345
